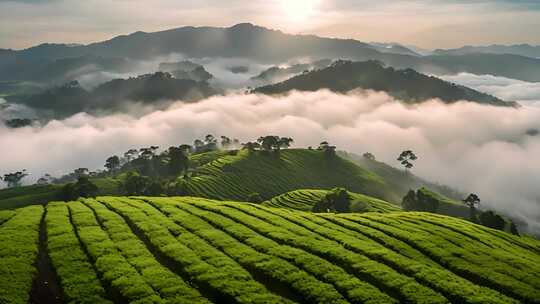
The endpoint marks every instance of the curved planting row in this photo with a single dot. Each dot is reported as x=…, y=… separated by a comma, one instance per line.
x=304, y=200
x=195, y=250
x=19, y=236
x=235, y=177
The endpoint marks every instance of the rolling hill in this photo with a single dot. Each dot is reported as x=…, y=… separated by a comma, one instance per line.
x=158, y=89
x=305, y=199
x=527, y=50
x=407, y=85
x=235, y=177
x=193, y=250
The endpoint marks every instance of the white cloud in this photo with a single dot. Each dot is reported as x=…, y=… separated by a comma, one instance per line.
x=475, y=148
x=527, y=93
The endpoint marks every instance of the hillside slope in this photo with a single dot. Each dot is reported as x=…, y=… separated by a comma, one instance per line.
x=192, y=250
x=305, y=199
x=235, y=177
x=407, y=85
x=401, y=181
x=254, y=43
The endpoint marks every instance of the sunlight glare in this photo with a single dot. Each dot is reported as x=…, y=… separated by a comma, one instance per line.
x=299, y=10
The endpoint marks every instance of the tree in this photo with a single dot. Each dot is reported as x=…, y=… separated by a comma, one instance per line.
x=225, y=142
x=255, y=198
x=14, y=179
x=472, y=201
x=513, y=228
x=327, y=148
x=80, y=172
x=406, y=158
x=179, y=160
x=135, y=184
x=82, y=188
x=112, y=163
x=369, y=156
x=269, y=142
x=284, y=142
x=45, y=179
x=492, y=220
x=336, y=200
x=210, y=142
x=198, y=144
x=421, y=200
x=131, y=154
x=148, y=153
x=251, y=146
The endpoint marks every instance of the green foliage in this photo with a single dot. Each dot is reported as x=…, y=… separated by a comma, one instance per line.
x=18, y=252
x=492, y=220
x=14, y=179
x=195, y=250
x=234, y=177
x=79, y=281
x=29, y=195
x=422, y=200
x=82, y=188
x=336, y=200
x=305, y=200
x=136, y=184
x=254, y=198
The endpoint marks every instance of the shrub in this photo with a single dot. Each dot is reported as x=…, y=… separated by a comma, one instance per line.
x=255, y=198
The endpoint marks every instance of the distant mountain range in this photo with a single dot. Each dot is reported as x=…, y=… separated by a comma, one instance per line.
x=517, y=49
x=256, y=43
x=407, y=85
x=394, y=48
x=155, y=89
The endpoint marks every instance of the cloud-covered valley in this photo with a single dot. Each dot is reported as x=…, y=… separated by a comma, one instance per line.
x=491, y=151
x=527, y=93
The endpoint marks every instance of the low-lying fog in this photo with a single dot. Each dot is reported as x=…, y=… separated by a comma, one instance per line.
x=492, y=151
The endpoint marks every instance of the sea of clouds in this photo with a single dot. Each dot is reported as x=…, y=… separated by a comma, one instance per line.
x=526, y=93
x=475, y=148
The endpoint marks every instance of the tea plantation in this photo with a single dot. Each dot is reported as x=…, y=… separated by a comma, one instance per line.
x=196, y=250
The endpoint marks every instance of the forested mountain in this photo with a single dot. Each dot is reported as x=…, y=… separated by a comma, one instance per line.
x=408, y=85
x=259, y=44
x=71, y=98
x=527, y=50
x=276, y=73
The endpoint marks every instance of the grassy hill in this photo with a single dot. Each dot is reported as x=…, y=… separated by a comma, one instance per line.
x=194, y=250
x=39, y=194
x=305, y=199
x=235, y=177
x=401, y=181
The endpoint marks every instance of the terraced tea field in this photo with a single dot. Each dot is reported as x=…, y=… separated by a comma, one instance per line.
x=304, y=200
x=235, y=177
x=195, y=250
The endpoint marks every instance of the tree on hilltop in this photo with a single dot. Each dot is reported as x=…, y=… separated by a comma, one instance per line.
x=268, y=142
x=369, y=156
x=472, y=201
x=406, y=158
x=284, y=142
x=112, y=163
x=336, y=200
x=14, y=179
x=328, y=149
x=251, y=146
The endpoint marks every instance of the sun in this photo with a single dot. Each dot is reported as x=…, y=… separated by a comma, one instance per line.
x=299, y=10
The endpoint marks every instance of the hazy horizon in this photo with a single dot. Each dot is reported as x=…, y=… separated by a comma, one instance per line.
x=426, y=24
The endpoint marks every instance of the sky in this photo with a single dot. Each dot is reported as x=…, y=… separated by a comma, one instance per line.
x=424, y=23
